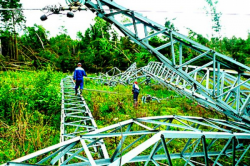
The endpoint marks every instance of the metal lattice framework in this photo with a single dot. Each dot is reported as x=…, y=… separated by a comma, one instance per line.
x=193, y=140
x=221, y=83
x=228, y=90
x=127, y=77
x=114, y=76
x=230, y=85
x=76, y=117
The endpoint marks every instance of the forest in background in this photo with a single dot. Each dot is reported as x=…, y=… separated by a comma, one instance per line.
x=30, y=101
x=99, y=48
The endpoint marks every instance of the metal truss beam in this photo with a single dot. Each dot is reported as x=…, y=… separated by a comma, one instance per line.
x=227, y=84
x=191, y=140
x=221, y=83
x=76, y=118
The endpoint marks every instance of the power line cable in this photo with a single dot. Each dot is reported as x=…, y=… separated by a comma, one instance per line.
x=142, y=11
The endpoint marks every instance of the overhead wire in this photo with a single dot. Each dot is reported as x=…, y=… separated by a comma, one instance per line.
x=142, y=11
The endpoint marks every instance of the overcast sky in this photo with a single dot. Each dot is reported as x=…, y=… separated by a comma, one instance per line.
x=235, y=19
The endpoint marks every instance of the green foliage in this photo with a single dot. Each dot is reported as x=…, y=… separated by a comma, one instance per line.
x=236, y=48
x=10, y=18
x=215, y=15
x=100, y=48
x=29, y=112
x=109, y=108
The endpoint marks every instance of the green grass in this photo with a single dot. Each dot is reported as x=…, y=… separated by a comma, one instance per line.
x=30, y=113
x=118, y=107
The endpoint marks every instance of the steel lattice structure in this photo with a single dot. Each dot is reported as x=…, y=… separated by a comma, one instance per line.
x=154, y=139
x=76, y=117
x=114, y=76
x=221, y=83
x=230, y=87
x=225, y=87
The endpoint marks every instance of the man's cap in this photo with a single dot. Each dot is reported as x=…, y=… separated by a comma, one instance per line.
x=79, y=64
x=136, y=82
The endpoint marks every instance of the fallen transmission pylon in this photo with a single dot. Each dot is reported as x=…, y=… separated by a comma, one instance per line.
x=163, y=139
x=229, y=94
x=125, y=78
x=76, y=118
x=221, y=83
x=231, y=91
x=115, y=76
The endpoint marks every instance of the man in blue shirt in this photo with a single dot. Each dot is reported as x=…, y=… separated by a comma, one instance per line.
x=135, y=91
x=78, y=77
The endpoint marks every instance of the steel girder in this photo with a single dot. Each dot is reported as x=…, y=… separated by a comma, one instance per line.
x=228, y=90
x=76, y=117
x=159, y=73
x=124, y=78
x=192, y=140
x=127, y=77
x=228, y=85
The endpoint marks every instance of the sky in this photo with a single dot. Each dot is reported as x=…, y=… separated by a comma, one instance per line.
x=235, y=19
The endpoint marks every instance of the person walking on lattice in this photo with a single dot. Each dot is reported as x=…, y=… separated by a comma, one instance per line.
x=78, y=78
x=135, y=91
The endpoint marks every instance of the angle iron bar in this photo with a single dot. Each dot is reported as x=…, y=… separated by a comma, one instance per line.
x=228, y=125
x=78, y=157
x=176, y=118
x=46, y=150
x=62, y=153
x=172, y=48
x=72, y=156
x=52, y=155
x=223, y=150
x=186, y=146
x=200, y=68
x=120, y=143
x=128, y=146
x=166, y=150
x=202, y=123
x=152, y=152
x=167, y=124
x=155, y=162
x=86, y=149
x=195, y=147
x=203, y=138
x=243, y=155
x=134, y=24
x=190, y=163
x=233, y=88
x=165, y=45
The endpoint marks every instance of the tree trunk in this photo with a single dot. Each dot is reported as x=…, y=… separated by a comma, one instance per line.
x=16, y=48
x=13, y=47
x=10, y=48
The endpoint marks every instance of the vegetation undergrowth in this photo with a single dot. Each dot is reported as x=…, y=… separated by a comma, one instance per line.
x=29, y=112
x=30, y=108
x=109, y=108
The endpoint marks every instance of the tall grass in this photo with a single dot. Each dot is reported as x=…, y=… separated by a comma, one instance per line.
x=30, y=109
x=110, y=108
x=29, y=112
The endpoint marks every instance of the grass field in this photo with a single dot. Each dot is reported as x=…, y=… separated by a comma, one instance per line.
x=30, y=108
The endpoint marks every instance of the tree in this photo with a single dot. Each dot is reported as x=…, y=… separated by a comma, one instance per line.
x=10, y=21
